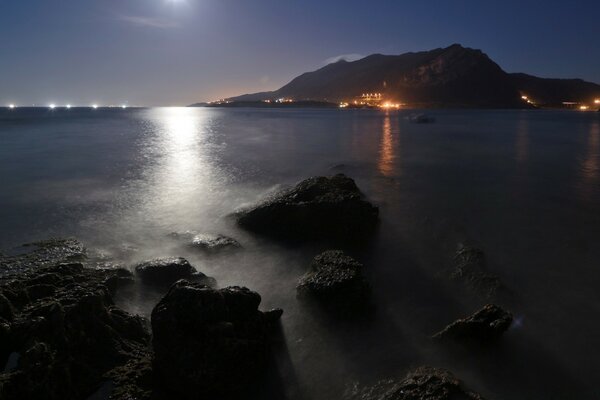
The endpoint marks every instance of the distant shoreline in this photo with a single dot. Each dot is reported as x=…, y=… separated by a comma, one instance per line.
x=330, y=105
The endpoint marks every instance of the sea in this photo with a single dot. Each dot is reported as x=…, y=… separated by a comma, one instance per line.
x=522, y=185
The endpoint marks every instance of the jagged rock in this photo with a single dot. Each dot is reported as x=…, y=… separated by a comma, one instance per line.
x=64, y=332
x=207, y=243
x=470, y=268
x=210, y=343
x=486, y=325
x=166, y=271
x=335, y=279
x=316, y=208
x=424, y=383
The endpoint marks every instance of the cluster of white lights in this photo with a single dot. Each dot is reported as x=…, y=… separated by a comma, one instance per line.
x=53, y=106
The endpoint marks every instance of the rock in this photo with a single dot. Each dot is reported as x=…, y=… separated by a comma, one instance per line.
x=37, y=254
x=210, y=343
x=470, y=268
x=336, y=280
x=316, y=208
x=214, y=243
x=166, y=271
x=65, y=332
x=206, y=243
x=485, y=326
x=132, y=381
x=424, y=383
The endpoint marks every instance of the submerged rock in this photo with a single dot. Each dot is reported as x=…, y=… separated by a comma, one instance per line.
x=470, y=268
x=335, y=279
x=210, y=343
x=319, y=207
x=60, y=331
x=206, y=243
x=424, y=383
x=485, y=326
x=214, y=243
x=166, y=271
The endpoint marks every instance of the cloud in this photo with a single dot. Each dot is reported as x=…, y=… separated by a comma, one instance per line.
x=347, y=57
x=150, y=22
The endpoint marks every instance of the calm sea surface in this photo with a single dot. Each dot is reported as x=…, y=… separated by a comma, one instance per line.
x=522, y=185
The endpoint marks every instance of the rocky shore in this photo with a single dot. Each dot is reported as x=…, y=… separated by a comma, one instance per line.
x=63, y=337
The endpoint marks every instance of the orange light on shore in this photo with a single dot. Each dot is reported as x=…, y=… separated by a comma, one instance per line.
x=583, y=108
x=597, y=101
x=524, y=97
x=388, y=106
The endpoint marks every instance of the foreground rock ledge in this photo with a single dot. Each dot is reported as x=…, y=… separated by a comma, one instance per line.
x=316, y=208
x=336, y=280
x=424, y=383
x=211, y=343
x=485, y=326
x=60, y=331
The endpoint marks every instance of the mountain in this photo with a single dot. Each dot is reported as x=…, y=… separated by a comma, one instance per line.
x=556, y=91
x=454, y=76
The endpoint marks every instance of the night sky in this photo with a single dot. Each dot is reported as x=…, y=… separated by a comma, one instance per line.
x=175, y=52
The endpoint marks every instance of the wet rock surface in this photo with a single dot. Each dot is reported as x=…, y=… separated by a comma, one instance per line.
x=424, y=383
x=316, y=208
x=60, y=331
x=166, y=271
x=211, y=343
x=335, y=279
x=470, y=268
x=485, y=326
x=207, y=243
x=38, y=254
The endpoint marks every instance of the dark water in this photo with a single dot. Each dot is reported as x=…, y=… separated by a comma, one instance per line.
x=523, y=185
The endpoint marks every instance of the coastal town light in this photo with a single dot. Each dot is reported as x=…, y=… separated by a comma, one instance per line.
x=11, y=106
x=597, y=101
x=583, y=108
x=52, y=106
x=94, y=106
x=68, y=106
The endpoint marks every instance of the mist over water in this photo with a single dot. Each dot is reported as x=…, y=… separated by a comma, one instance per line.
x=522, y=185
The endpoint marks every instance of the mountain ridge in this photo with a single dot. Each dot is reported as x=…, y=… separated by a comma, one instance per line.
x=454, y=76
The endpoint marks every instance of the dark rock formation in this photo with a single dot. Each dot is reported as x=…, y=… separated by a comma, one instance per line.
x=210, y=343
x=336, y=280
x=424, y=383
x=59, y=329
x=485, y=326
x=470, y=268
x=132, y=381
x=206, y=243
x=166, y=271
x=317, y=208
